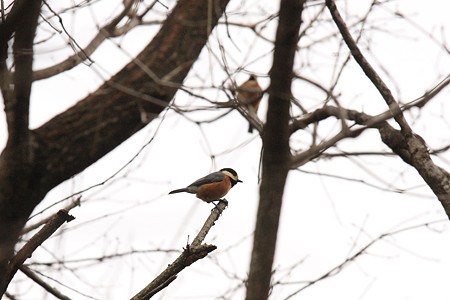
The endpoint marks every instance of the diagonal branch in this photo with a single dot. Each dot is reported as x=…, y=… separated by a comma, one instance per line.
x=76, y=202
x=363, y=250
x=78, y=137
x=27, y=250
x=191, y=254
x=107, y=117
x=367, y=68
x=410, y=146
x=104, y=33
x=30, y=274
x=436, y=177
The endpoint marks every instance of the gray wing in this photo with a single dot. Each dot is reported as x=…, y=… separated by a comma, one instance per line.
x=213, y=177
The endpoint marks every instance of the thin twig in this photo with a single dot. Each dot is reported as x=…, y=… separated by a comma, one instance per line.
x=368, y=70
x=71, y=205
x=335, y=270
x=30, y=274
x=27, y=250
x=71, y=39
x=83, y=54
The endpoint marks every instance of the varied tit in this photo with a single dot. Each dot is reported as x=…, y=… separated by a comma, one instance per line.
x=212, y=187
x=250, y=94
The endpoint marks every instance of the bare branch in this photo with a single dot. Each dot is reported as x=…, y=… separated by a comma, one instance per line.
x=71, y=205
x=338, y=268
x=412, y=151
x=103, y=120
x=102, y=258
x=408, y=145
x=30, y=274
x=161, y=286
x=27, y=250
x=367, y=68
x=428, y=95
x=191, y=254
x=84, y=53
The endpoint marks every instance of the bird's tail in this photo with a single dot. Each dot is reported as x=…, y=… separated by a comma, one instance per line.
x=178, y=191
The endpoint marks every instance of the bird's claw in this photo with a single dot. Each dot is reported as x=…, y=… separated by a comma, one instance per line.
x=217, y=205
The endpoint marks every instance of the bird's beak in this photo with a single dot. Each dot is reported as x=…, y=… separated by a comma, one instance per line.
x=239, y=180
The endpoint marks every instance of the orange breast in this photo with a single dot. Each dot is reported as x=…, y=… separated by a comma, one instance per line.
x=250, y=94
x=214, y=191
x=256, y=104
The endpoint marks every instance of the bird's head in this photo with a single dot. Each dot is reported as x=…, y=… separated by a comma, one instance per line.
x=232, y=174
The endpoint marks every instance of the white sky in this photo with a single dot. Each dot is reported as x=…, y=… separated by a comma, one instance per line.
x=324, y=219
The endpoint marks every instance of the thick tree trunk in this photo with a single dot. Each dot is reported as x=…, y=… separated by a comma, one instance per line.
x=276, y=156
x=78, y=137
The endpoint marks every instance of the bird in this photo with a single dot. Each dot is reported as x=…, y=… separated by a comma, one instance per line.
x=212, y=187
x=250, y=94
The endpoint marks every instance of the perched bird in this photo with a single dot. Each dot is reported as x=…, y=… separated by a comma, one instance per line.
x=212, y=187
x=250, y=94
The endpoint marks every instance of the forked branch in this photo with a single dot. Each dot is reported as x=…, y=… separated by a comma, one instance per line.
x=408, y=145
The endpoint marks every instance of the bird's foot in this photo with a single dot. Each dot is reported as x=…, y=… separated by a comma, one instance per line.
x=217, y=205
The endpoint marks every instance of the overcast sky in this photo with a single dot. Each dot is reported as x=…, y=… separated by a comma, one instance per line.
x=332, y=207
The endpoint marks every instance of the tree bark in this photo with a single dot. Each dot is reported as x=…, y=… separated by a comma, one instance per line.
x=16, y=159
x=276, y=156
x=78, y=137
